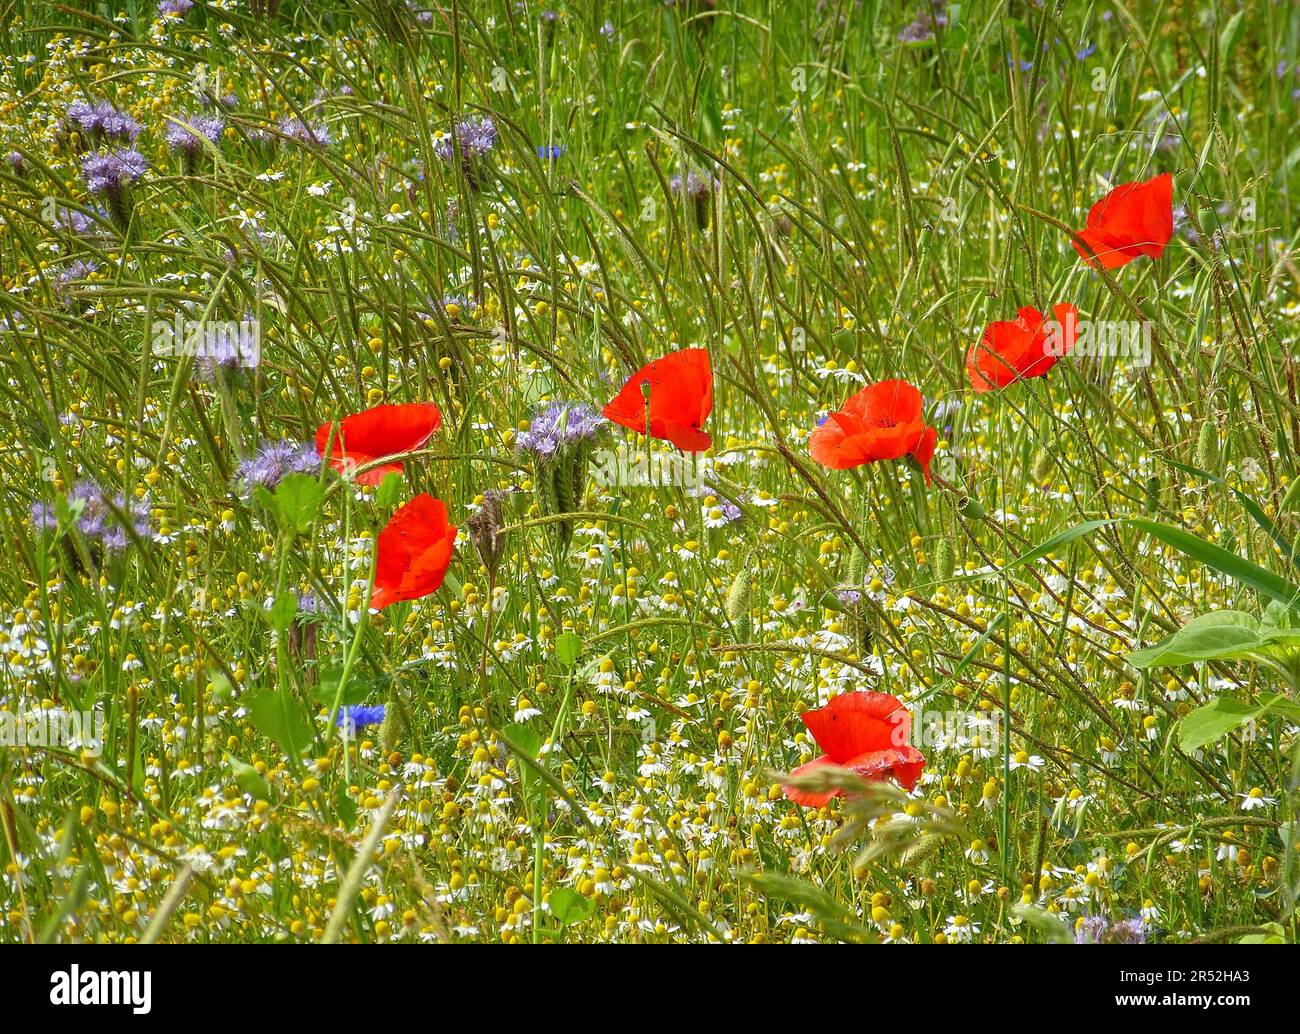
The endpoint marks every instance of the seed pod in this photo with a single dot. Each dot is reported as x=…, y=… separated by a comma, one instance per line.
x=857, y=567
x=1045, y=465
x=738, y=596
x=1207, y=447
x=943, y=560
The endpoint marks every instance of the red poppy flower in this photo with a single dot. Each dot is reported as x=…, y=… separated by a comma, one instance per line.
x=681, y=396
x=1028, y=346
x=383, y=431
x=1133, y=220
x=881, y=422
x=414, y=552
x=866, y=732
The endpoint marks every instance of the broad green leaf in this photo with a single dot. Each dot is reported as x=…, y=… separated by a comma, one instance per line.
x=1220, y=635
x=357, y=691
x=281, y=613
x=568, y=906
x=526, y=739
x=389, y=489
x=249, y=779
x=345, y=807
x=297, y=501
x=280, y=717
x=568, y=648
x=1212, y=722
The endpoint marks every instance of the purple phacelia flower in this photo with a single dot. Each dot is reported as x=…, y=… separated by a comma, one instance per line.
x=693, y=185
x=175, y=8
x=1100, y=930
x=298, y=131
x=697, y=189
x=559, y=425
x=923, y=25
x=103, y=121
x=274, y=462
x=475, y=137
x=73, y=220
x=80, y=269
x=108, y=172
x=96, y=518
x=187, y=132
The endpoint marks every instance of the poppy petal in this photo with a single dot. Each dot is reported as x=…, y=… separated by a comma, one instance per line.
x=805, y=797
x=386, y=430
x=681, y=398
x=854, y=723
x=413, y=552
x=1132, y=220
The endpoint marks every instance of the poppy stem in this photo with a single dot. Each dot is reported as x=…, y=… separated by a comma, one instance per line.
x=1004, y=839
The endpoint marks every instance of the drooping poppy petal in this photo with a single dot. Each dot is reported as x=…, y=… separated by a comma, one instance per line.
x=883, y=421
x=1028, y=346
x=414, y=552
x=386, y=430
x=681, y=398
x=865, y=732
x=902, y=764
x=806, y=797
x=1133, y=220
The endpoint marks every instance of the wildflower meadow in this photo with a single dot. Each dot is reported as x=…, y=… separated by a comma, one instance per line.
x=649, y=472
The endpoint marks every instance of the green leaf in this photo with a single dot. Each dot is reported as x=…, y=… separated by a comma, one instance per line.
x=1056, y=542
x=568, y=648
x=568, y=906
x=249, y=779
x=1220, y=635
x=357, y=691
x=526, y=739
x=389, y=489
x=1229, y=36
x=297, y=501
x=282, y=612
x=345, y=807
x=1215, y=720
x=279, y=717
x=1239, y=569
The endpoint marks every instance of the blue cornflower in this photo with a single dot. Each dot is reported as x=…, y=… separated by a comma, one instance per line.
x=351, y=719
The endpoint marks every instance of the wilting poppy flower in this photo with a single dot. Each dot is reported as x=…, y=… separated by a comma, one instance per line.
x=680, y=389
x=881, y=422
x=866, y=732
x=414, y=552
x=1028, y=346
x=1133, y=220
x=383, y=431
